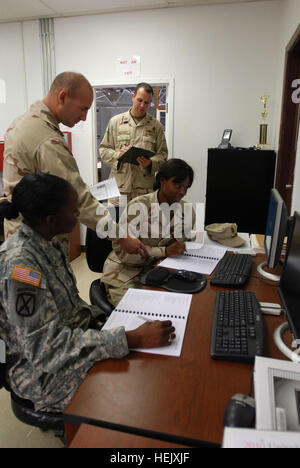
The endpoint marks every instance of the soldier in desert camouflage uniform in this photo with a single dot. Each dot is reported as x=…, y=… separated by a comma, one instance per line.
x=134, y=128
x=34, y=143
x=122, y=271
x=46, y=326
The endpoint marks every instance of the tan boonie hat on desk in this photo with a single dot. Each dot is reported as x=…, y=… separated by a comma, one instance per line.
x=225, y=233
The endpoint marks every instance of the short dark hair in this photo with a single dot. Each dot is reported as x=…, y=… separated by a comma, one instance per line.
x=148, y=88
x=176, y=168
x=71, y=81
x=36, y=196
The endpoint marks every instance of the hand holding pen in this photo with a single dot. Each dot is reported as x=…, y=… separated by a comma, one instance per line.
x=151, y=334
x=175, y=248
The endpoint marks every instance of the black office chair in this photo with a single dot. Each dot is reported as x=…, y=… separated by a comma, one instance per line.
x=97, y=251
x=24, y=410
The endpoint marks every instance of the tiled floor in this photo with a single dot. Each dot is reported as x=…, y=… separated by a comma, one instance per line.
x=15, y=434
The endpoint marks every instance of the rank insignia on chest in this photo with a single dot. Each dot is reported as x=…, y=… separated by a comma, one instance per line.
x=27, y=275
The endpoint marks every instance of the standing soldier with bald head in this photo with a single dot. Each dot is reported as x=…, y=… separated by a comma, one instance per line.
x=35, y=143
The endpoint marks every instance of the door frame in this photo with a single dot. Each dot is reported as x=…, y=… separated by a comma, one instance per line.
x=168, y=82
x=289, y=124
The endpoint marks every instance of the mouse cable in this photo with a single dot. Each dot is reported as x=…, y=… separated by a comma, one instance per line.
x=250, y=392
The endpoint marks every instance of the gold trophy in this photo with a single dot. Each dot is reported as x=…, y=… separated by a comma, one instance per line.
x=263, y=128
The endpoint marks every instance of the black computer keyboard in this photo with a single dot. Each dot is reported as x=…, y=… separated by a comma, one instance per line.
x=233, y=270
x=238, y=328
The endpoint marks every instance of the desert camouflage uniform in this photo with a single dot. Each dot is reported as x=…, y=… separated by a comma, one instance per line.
x=148, y=133
x=46, y=326
x=122, y=270
x=34, y=143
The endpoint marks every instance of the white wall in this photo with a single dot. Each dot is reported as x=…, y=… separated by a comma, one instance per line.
x=20, y=69
x=32, y=62
x=222, y=59
x=12, y=72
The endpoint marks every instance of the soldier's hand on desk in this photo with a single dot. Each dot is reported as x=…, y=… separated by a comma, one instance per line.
x=132, y=245
x=175, y=248
x=151, y=335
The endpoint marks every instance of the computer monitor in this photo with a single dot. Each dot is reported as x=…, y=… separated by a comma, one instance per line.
x=289, y=287
x=276, y=230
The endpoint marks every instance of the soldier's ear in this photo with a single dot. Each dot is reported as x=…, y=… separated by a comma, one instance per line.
x=51, y=221
x=61, y=96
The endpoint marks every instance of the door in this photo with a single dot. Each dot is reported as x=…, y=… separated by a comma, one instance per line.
x=289, y=125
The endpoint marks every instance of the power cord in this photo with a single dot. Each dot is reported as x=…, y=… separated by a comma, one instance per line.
x=292, y=355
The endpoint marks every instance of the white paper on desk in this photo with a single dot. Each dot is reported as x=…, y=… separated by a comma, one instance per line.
x=154, y=305
x=193, y=245
x=255, y=245
x=251, y=438
x=277, y=394
x=203, y=260
x=105, y=189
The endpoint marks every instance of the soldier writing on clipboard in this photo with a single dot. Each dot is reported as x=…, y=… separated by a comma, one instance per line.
x=134, y=128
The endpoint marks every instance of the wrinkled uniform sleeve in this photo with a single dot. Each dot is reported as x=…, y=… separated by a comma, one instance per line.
x=161, y=154
x=44, y=339
x=55, y=158
x=109, y=153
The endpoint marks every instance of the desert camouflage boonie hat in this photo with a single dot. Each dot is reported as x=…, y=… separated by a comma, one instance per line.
x=225, y=233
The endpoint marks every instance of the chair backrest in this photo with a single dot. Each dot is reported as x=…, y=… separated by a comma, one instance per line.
x=97, y=250
x=2, y=199
x=2, y=375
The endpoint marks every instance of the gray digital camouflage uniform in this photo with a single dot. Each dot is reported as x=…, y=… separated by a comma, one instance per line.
x=157, y=226
x=34, y=143
x=45, y=324
x=122, y=131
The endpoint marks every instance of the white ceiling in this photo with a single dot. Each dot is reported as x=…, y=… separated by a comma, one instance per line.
x=15, y=10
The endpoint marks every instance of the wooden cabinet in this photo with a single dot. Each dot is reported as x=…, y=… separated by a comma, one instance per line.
x=1, y=154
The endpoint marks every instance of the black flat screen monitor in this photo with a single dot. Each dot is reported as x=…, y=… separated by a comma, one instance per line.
x=276, y=230
x=289, y=288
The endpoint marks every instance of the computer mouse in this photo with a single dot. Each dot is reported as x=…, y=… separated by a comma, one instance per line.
x=188, y=276
x=240, y=412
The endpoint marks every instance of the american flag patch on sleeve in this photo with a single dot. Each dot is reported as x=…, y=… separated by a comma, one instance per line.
x=26, y=275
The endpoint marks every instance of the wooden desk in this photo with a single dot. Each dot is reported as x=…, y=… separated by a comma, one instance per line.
x=97, y=437
x=180, y=400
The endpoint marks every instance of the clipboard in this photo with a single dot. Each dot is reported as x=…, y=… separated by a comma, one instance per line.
x=132, y=154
